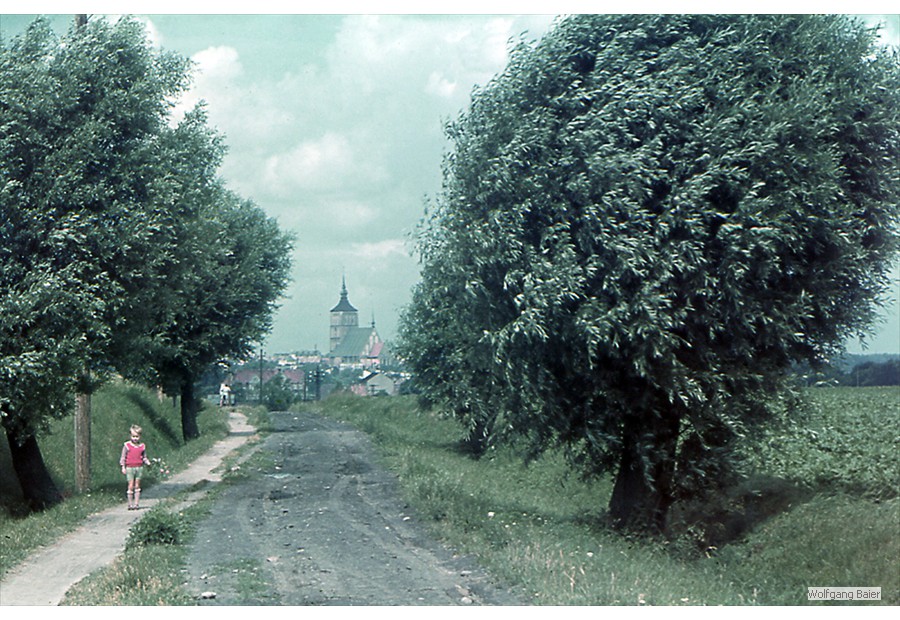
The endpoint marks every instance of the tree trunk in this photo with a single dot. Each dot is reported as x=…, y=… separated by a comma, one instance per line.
x=644, y=486
x=189, y=429
x=478, y=439
x=83, y=441
x=37, y=485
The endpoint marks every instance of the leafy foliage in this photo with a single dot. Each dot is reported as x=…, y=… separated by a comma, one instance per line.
x=78, y=145
x=843, y=439
x=870, y=374
x=231, y=269
x=645, y=221
x=277, y=393
x=121, y=250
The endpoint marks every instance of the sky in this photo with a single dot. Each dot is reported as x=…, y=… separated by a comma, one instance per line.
x=334, y=125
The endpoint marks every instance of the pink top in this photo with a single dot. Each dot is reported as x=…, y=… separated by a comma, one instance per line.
x=133, y=455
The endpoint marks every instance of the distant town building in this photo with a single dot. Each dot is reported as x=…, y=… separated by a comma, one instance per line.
x=296, y=359
x=374, y=384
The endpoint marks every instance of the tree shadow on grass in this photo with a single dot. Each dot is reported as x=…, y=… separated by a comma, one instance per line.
x=719, y=519
x=735, y=511
x=161, y=425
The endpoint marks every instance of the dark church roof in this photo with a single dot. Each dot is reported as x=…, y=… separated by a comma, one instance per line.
x=344, y=303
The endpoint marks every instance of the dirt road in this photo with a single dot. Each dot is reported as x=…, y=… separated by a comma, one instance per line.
x=320, y=524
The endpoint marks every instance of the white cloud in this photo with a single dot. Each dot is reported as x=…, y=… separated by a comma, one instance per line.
x=380, y=250
x=219, y=64
x=889, y=28
x=335, y=218
x=153, y=35
x=328, y=163
x=440, y=86
x=311, y=164
x=216, y=69
x=397, y=54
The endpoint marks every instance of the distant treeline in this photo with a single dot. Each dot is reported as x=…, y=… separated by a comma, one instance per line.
x=870, y=374
x=857, y=370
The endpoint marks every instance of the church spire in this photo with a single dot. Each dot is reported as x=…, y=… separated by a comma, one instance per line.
x=344, y=304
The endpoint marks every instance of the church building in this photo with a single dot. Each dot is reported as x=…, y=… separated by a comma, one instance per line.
x=349, y=344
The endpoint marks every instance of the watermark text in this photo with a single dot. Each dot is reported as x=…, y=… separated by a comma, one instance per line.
x=816, y=593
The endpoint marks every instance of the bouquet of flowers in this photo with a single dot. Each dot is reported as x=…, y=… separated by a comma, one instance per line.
x=158, y=469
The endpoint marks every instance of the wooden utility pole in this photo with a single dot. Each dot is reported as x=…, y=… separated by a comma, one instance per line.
x=83, y=435
x=260, y=374
x=83, y=401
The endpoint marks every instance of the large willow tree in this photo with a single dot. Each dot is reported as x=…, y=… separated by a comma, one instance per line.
x=646, y=221
x=80, y=173
x=120, y=248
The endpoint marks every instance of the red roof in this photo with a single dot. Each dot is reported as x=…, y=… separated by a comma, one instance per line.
x=252, y=376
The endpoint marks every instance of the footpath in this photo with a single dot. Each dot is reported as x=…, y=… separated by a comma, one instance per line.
x=45, y=577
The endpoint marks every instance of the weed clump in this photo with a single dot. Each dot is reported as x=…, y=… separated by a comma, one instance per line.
x=159, y=527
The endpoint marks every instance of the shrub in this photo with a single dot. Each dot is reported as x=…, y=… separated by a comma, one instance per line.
x=159, y=527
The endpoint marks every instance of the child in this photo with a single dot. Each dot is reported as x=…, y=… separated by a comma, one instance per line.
x=133, y=459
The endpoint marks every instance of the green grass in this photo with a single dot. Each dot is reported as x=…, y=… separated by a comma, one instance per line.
x=837, y=540
x=115, y=407
x=541, y=529
x=250, y=582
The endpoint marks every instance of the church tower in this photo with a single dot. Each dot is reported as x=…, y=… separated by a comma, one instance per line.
x=344, y=318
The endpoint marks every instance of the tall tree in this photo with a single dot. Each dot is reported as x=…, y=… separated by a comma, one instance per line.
x=232, y=266
x=80, y=118
x=645, y=221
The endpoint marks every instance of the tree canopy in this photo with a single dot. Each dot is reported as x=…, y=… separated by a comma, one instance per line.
x=79, y=146
x=119, y=244
x=645, y=221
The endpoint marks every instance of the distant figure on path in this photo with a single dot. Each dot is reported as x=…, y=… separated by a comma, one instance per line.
x=132, y=461
x=224, y=395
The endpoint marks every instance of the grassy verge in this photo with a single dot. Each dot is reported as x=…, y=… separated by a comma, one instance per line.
x=114, y=408
x=150, y=572
x=540, y=528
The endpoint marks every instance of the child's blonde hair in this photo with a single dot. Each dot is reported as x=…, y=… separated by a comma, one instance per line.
x=136, y=430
